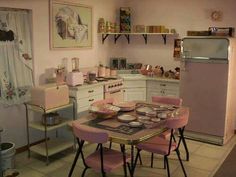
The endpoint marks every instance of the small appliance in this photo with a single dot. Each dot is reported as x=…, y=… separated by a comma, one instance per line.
x=75, y=78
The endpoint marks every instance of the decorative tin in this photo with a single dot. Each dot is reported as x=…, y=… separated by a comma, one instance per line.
x=125, y=20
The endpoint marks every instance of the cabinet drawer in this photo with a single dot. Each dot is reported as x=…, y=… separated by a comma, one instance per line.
x=84, y=103
x=135, y=84
x=87, y=92
x=162, y=85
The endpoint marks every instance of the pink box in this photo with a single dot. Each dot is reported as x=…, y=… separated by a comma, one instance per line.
x=50, y=95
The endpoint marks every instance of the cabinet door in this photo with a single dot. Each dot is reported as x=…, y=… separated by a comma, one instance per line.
x=135, y=94
x=153, y=92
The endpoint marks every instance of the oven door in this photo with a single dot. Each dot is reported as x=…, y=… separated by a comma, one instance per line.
x=117, y=95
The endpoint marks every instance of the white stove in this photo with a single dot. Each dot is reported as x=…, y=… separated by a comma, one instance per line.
x=114, y=89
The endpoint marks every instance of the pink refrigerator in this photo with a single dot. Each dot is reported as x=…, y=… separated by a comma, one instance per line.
x=208, y=87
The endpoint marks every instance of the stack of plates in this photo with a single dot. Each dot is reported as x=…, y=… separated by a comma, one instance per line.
x=125, y=106
x=144, y=110
x=126, y=118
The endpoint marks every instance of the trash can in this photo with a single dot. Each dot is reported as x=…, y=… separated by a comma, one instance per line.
x=7, y=156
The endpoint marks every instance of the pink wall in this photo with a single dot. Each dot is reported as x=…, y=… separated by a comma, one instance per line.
x=182, y=15
x=12, y=119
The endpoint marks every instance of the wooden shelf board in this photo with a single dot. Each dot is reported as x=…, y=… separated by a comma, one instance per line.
x=54, y=146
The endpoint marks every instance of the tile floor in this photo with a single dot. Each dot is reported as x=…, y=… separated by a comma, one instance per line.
x=205, y=159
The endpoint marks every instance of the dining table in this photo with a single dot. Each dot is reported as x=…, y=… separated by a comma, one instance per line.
x=122, y=133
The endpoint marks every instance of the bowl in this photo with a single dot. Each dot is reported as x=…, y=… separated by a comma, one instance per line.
x=104, y=111
x=51, y=119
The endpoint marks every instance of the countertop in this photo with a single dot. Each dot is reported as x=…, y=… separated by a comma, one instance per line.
x=124, y=77
x=147, y=78
x=87, y=85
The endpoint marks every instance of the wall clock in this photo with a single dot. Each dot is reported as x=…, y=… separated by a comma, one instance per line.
x=216, y=15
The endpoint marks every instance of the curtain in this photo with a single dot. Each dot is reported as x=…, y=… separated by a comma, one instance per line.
x=16, y=76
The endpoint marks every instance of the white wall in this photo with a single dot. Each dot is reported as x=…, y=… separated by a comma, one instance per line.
x=12, y=119
x=182, y=15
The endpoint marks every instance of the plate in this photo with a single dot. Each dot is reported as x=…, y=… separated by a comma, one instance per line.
x=155, y=119
x=126, y=118
x=104, y=111
x=125, y=106
x=135, y=124
x=162, y=115
x=144, y=110
x=143, y=118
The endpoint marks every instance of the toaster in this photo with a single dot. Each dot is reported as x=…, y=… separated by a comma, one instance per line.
x=75, y=78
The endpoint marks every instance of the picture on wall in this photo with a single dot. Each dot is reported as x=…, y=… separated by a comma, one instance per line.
x=70, y=25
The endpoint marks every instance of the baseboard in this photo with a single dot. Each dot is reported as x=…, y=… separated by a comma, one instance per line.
x=25, y=148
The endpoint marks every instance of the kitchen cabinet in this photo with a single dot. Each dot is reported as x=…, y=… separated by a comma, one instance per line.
x=86, y=95
x=49, y=146
x=161, y=88
x=134, y=90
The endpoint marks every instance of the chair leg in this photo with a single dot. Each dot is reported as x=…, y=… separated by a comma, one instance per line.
x=122, y=147
x=140, y=159
x=103, y=174
x=152, y=156
x=85, y=169
x=74, y=163
x=186, y=149
x=181, y=163
x=164, y=162
x=167, y=165
x=110, y=145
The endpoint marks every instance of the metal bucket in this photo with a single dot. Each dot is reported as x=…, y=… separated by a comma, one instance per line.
x=7, y=156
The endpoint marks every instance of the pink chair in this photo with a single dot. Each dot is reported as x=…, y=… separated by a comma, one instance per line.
x=171, y=101
x=167, y=100
x=103, y=159
x=162, y=146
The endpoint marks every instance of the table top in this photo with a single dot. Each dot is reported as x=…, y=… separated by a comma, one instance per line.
x=111, y=126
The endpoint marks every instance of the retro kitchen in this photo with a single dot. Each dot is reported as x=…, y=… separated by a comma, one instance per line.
x=117, y=88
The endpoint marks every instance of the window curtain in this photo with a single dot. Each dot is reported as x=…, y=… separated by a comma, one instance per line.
x=16, y=74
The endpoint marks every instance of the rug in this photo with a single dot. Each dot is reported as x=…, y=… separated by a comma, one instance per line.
x=228, y=169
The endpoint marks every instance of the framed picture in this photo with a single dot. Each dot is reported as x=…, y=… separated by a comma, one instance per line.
x=70, y=25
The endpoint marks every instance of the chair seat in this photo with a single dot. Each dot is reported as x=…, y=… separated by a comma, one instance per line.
x=157, y=145
x=111, y=158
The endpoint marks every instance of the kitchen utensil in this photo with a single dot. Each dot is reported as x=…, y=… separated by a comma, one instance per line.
x=51, y=119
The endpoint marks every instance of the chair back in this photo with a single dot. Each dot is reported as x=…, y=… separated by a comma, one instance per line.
x=167, y=100
x=89, y=134
x=179, y=120
x=101, y=102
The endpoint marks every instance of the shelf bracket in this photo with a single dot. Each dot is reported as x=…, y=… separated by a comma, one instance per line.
x=127, y=37
x=104, y=36
x=116, y=37
x=164, y=38
x=145, y=38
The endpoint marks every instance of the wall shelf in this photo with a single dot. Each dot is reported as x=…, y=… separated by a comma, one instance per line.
x=127, y=36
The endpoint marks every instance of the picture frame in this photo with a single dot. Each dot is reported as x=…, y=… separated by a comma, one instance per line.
x=70, y=25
